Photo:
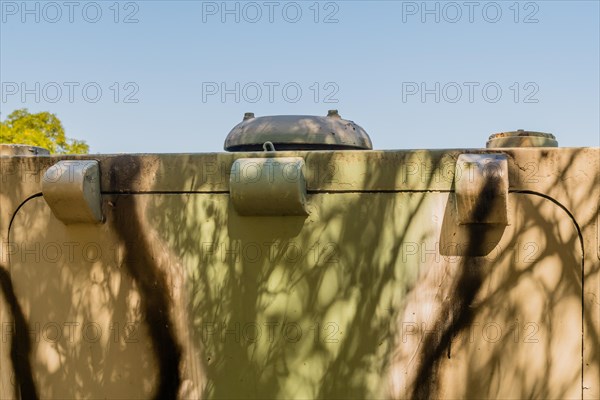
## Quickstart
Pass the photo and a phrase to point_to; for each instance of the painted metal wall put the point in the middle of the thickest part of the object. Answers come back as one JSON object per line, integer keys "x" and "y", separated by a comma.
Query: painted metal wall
{"x": 378, "y": 291}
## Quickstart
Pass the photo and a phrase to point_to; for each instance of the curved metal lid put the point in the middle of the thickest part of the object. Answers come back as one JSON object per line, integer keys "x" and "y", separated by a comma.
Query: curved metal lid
{"x": 522, "y": 138}
{"x": 297, "y": 132}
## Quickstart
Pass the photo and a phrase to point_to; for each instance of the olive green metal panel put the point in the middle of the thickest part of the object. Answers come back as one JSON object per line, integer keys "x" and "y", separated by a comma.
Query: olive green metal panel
{"x": 82, "y": 308}
{"x": 179, "y": 269}
{"x": 297, "y": 307}
{"x": 7, "y": 375}
{"x": 546, "y": 170}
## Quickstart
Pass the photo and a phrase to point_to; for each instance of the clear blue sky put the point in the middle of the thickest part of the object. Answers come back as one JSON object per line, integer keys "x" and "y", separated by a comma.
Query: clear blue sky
{"x": 413, "y": 74}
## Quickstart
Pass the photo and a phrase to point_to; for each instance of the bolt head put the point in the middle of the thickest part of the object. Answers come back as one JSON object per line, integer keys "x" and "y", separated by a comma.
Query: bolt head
{"x": 333, "y": 114}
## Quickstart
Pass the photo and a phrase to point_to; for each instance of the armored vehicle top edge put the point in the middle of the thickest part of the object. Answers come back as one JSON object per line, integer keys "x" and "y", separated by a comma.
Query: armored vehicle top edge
{"x": 301, "y": 263}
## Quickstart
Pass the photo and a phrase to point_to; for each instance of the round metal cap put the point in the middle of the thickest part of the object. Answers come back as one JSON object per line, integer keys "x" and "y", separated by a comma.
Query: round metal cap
{"x": 22, "y": 150}
{"x": 297, "y": 132}
{"x": 522, "y": 138}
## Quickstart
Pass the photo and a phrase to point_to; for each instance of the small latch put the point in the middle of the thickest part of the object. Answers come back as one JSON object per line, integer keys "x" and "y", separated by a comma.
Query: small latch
{"x": 481, "y": 187}
{"x": 268, "y": 186}
{"x": 71, "y": 189}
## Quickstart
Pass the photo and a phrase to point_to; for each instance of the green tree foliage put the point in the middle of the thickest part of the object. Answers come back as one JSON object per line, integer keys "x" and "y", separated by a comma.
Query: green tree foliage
{"x": 42, "y": 129}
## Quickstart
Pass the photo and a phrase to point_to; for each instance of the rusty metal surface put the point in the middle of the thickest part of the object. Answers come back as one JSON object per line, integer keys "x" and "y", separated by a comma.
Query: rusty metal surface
{"x": 522, "y": 138}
